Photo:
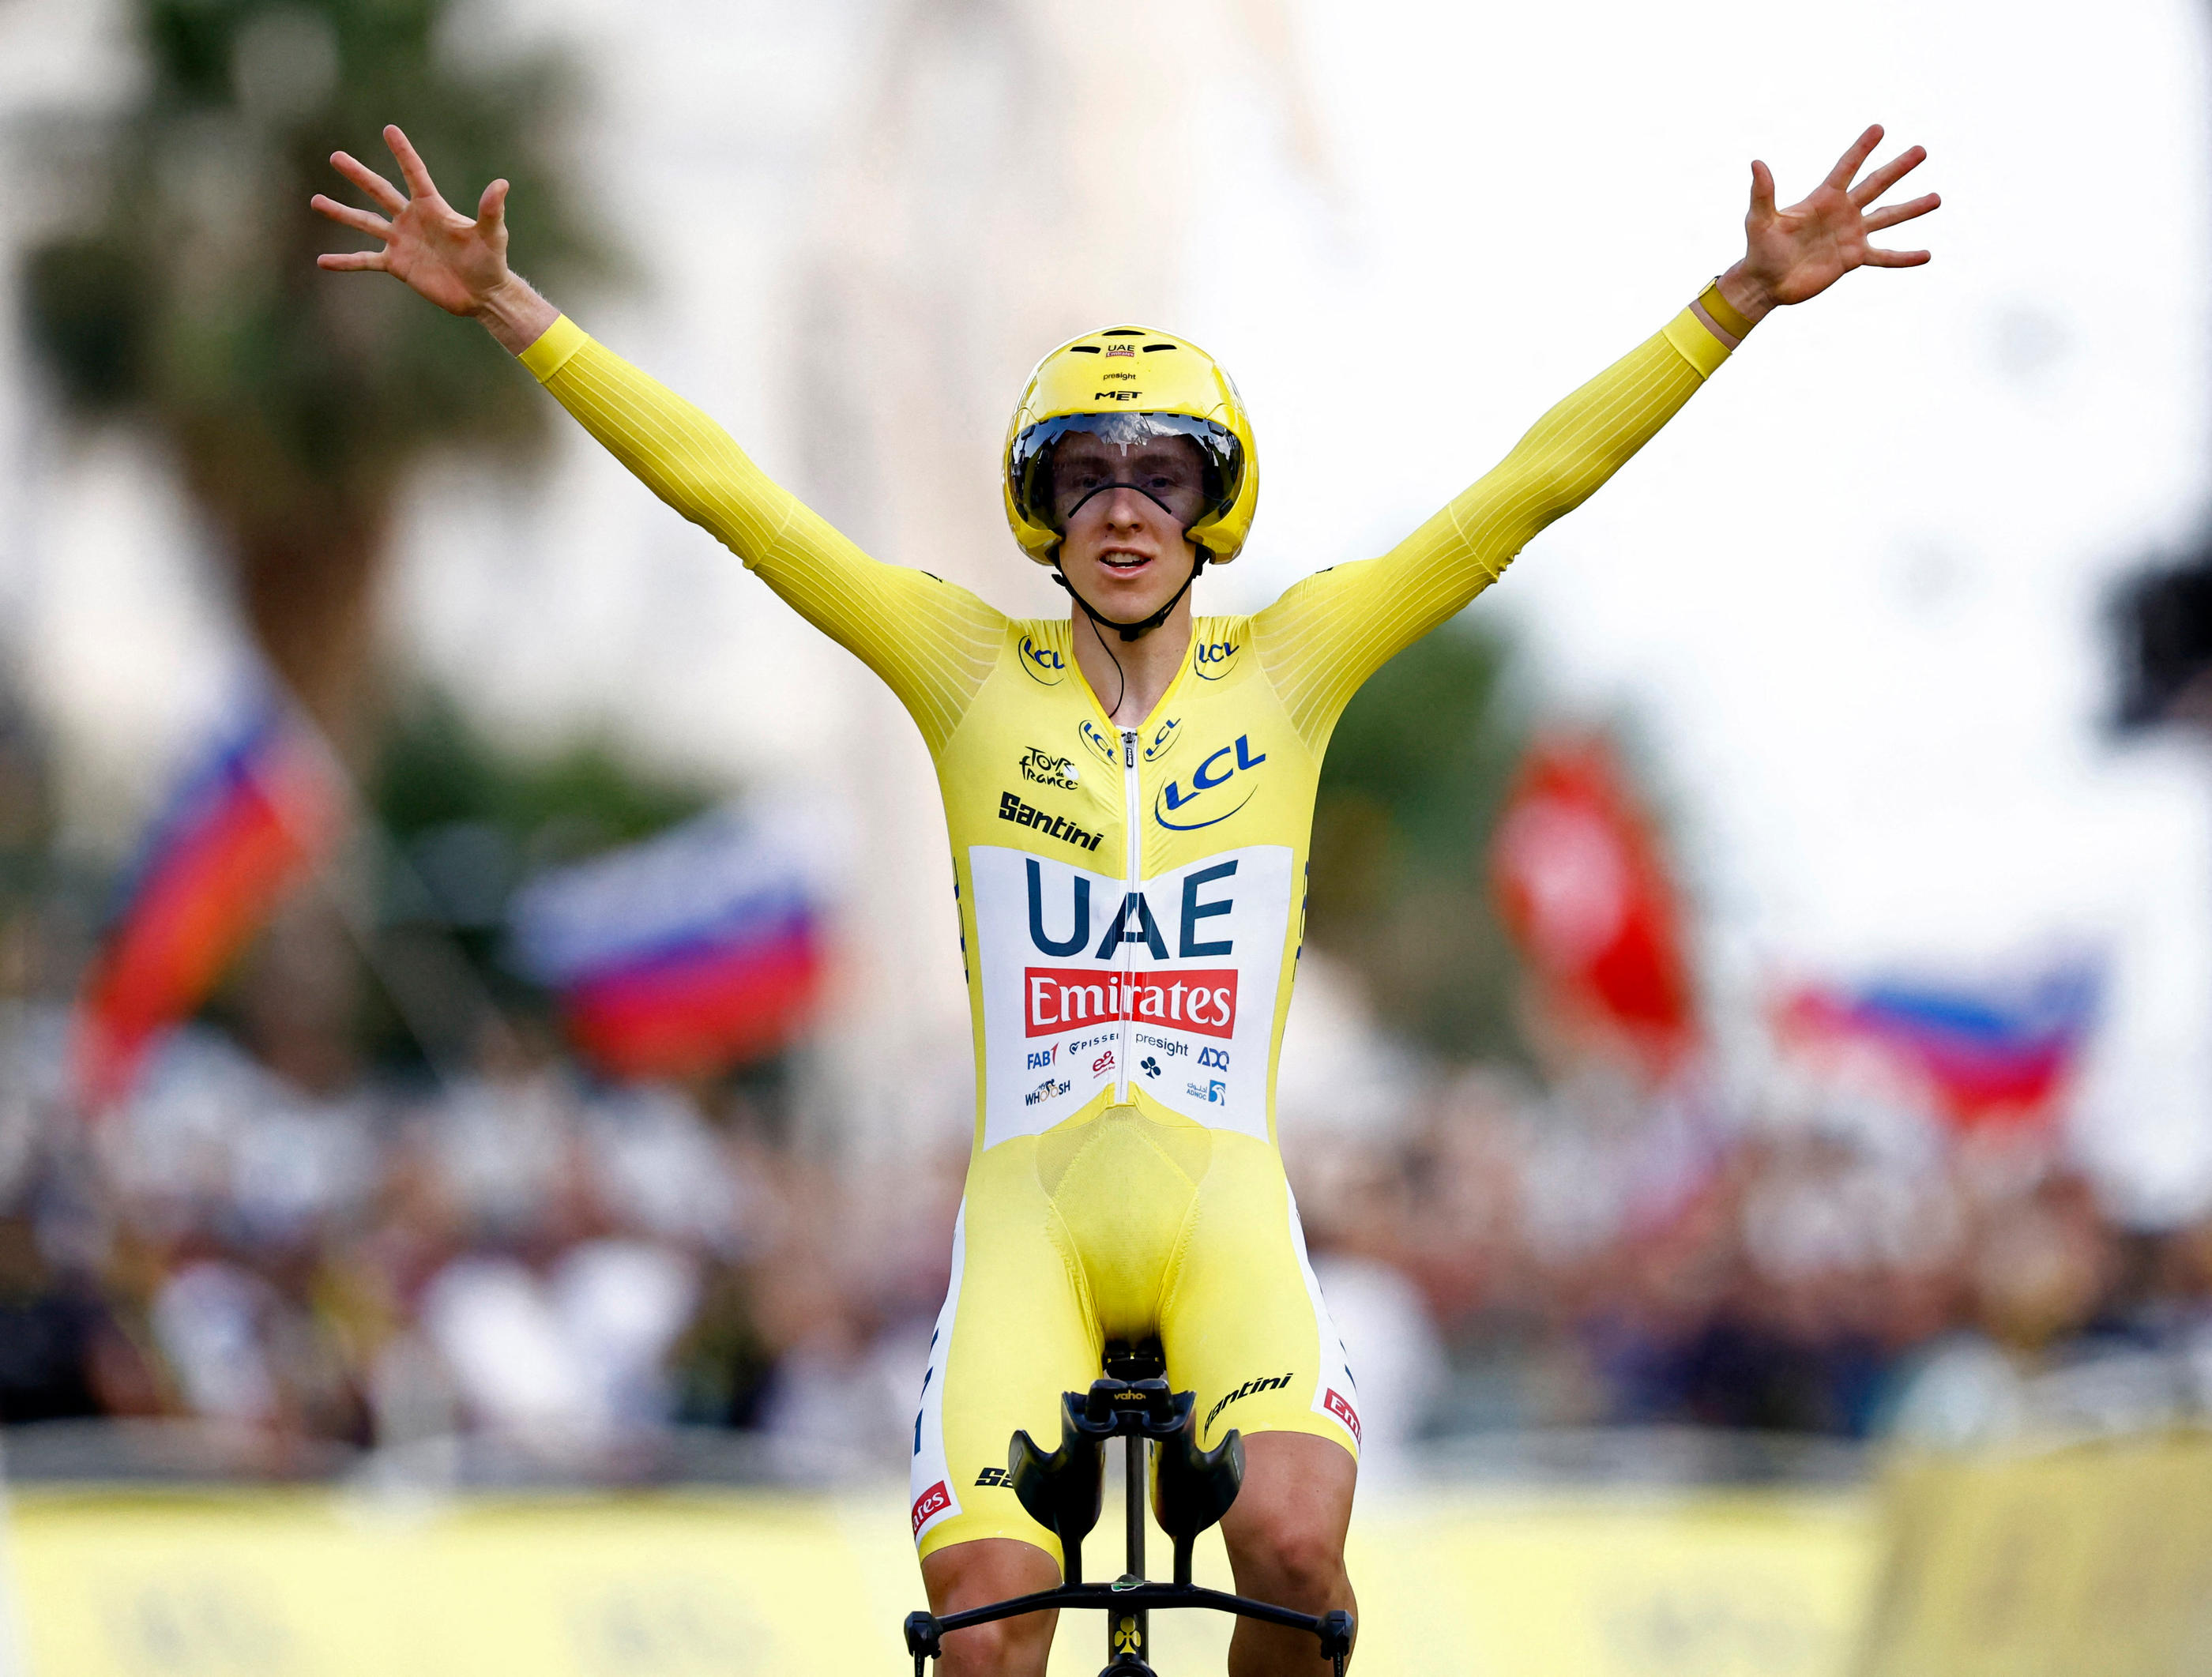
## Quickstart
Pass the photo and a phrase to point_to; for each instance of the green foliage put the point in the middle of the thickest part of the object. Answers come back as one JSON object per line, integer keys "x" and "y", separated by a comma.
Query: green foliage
{"x": 1410, "y": 792}
{"x": 469, "y": 820}
{"x": 192, "y": 296}
{"x": 439, "y": 775}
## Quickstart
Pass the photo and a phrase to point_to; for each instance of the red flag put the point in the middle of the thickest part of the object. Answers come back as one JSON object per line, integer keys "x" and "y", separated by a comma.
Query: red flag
{"x": 1580, "y": 884}
{"x": 236, "y": 837}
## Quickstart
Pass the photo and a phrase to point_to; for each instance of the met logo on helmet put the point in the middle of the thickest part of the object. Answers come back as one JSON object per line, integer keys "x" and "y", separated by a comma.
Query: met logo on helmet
{"x": 1041, "y": 664}
{"x": 1216, "y": 771}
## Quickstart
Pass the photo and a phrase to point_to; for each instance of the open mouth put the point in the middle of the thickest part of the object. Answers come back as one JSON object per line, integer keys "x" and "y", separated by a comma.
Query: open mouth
{"x": 1115, "y": 561}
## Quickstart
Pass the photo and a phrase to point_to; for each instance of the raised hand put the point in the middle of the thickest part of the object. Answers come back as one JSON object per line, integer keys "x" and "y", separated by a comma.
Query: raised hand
{"x": 458, "y": 262}
{"x": 1792, "y": 254}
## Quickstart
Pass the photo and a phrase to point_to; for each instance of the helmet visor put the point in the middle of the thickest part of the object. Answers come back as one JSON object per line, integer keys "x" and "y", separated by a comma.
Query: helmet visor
{"x": 1191, "y": 467}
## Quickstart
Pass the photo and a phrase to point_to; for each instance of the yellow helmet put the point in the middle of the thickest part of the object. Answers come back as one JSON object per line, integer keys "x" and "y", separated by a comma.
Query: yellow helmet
{"x": 1127, "y": 383}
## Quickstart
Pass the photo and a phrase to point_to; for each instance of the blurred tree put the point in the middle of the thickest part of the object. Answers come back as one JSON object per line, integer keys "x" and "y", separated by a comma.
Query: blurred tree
{"x": 469, "y": 819}
{"x": 1411, "y": 789}
{"x": 292, "y": 400}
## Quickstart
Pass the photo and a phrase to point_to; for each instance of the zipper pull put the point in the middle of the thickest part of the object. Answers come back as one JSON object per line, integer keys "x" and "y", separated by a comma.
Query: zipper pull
{"x": 1129, "y": 748}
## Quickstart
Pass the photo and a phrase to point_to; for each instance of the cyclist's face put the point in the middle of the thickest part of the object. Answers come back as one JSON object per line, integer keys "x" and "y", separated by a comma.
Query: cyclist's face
{"x": 1122, "y": 513}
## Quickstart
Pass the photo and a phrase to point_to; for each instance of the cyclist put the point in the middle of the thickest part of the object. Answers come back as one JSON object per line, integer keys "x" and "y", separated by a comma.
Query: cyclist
{"x": 1129, "y": 793}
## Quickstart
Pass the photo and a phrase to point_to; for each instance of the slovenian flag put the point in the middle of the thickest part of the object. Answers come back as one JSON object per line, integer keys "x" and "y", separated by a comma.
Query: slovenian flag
{"x": 695, "y": 950}
{"x": 256, "y": 816}
{"x": 1989, "y": 1056}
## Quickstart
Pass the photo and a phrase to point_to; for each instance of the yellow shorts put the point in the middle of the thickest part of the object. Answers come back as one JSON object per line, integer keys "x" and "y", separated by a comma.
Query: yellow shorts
{"x": 1120, "y": 1225}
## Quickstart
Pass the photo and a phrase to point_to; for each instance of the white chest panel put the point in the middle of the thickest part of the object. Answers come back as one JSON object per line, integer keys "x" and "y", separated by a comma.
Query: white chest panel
{"x": 1178, "y": 979}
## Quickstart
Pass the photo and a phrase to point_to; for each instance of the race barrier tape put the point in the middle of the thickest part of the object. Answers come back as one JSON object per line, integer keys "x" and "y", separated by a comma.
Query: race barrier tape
{"x": 2094, "y": 1559}
{"x": 265, "y": 1583}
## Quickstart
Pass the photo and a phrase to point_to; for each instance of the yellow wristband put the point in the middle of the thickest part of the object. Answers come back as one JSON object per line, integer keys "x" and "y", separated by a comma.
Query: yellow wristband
{"x": 1725, "y": 314}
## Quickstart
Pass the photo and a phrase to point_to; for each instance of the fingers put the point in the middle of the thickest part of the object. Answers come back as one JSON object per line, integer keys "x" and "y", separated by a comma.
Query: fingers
{"x": 1890, "y": 214}
{"x": 491, "y": 208}
{"x": 1876, "y": 259}
{"x": 359, "y": 220}
{"x": 369, "y": 181}
{"x": 1762, "y": 189}
{"x": 350, "y": 261}
{"x": 1850, "y": 163}
{"x": 412, "y": 166}
{"x": 1888, "y": 175}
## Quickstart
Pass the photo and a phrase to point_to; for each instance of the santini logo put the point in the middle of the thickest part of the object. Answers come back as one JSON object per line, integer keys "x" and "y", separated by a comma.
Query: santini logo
{"x": 1011, "y": 808}
{"x": 1263, "y": 1384}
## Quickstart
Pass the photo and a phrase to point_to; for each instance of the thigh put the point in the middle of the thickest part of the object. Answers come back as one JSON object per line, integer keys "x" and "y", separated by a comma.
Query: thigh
{"x": 1245, "y": 1326}
{"x": 1015, "y": 1333}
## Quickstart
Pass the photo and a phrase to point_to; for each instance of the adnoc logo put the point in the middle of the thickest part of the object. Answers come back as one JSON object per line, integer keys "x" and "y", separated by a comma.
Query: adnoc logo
{"x": 1163, "y": 738}
{"x": 1213, "y": 660}
{"x": 1040, "y": 663}
{"x": 1216, "y": 772}
{"x": 1101, "y": 746}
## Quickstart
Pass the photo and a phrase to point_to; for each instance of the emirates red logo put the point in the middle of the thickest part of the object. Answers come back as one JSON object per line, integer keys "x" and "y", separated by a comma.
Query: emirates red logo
{"x": 1337, "y": 1405}
{"x": 937, "y": 1499}
{"x": 1057, "y": 998}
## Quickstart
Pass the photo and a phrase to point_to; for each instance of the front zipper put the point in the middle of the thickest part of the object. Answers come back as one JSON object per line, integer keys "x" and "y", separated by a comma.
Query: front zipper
{"x": 1132, "y": 847}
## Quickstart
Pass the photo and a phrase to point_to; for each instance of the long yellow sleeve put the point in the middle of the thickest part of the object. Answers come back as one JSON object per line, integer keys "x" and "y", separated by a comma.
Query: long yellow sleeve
{"x": 934, "y": 644}
{"x": 1329, "y": 633}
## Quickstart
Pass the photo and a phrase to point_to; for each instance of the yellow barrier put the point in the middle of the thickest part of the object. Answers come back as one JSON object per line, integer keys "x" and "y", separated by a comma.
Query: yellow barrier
{"x": 2095, "y": 1561}
{"x": 312, "y": 1584}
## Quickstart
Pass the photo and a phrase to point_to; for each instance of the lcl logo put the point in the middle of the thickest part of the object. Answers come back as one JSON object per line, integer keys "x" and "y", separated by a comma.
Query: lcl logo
{"x": 1042, "y": 664}
{"x": 1215, "y": 772}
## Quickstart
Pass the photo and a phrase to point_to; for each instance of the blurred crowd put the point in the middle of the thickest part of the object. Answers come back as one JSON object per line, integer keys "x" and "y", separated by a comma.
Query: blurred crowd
{"x": 561, "y": 1276}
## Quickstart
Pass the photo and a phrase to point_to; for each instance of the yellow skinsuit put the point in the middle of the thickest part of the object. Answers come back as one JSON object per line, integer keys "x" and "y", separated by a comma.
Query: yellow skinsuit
{"x": 1132, "y": 904}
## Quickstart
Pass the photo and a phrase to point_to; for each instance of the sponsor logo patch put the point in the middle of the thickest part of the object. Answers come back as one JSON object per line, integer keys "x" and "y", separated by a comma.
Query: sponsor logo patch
{"x": 993, "y": 1476}
{"x": 1213, "y": 660}
{"x": 1164, "y": 739}
{"x": 1040, "y": 663}
{"x": 1042, "y": 766}
{"x": 1057, "y": 998}
{"x": 1050, "y": 1090}
{"x": 1182, "y": 811}
{"x": 932, "y": 1502}
{"x": 1339, "y": 1405}
{"x": 1264, "y": 1384}
{"x": 1012, "y": 807}
{"x": 1213, "y": 1091}
{"x": 1098, "y": 743}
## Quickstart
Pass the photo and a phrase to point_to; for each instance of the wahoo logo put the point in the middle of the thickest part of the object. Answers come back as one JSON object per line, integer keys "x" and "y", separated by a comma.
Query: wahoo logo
{"x": 1213, "y": 660}
{"x": 1217, "y": 771}
{"x": 1163, "y": 738}
{"x": 1040, "y": 663}
{"x": 1057, "y": 998}
{"x": 1339, "y": 1405}
{"x": 1263, "y": 1384}
{"x": 929, "y": 1505}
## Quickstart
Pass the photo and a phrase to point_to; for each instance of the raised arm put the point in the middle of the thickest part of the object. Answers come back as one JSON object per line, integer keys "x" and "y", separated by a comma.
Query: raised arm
{"x": 1329, "y": 633}
{"x": 932, "y": 642}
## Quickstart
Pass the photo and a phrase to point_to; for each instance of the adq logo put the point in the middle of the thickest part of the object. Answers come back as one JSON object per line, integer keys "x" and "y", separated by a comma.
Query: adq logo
{"x": 1215, "y": 772}
{"x": 1041, "y": 663}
